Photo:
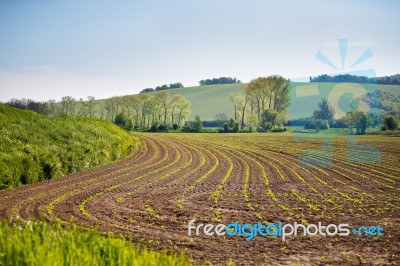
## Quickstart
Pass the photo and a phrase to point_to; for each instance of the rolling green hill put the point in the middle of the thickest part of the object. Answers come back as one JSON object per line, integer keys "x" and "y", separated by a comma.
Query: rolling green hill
{"x": 35, "y": 147}
{"x": 207, "y": 101}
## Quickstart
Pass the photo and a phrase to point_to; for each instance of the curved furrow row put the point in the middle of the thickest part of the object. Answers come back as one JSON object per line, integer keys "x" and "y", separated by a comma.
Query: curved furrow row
{"x": 56, "y": 193}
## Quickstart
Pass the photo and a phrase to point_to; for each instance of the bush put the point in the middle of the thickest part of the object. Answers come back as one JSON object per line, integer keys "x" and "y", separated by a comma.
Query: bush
{"x": 317, "y": 124}
{"x": 193, "y": 127}
{"x": 162, "y": 127}
{"x": 226, "y": 127}
{"x": 232, "y": 126}
{"x": 390, "y": 122}
{"x": 175, "y": 126}
{"x": 278, "y": 129}
{"x": 123, "y": 121}
{"x": 235, "y": 128}
{"x": 153, "y": 128}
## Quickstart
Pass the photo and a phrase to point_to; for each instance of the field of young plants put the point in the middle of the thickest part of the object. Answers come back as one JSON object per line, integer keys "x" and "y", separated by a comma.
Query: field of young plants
{"x": 223, "y": 178}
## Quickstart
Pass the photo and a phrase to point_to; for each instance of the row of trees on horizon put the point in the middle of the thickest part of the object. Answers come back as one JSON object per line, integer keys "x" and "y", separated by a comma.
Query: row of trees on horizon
{"x": 141, "y": 110}
{"x": 387, "y": 80}
{"x": 261, "y": 106}
{"x": 204, "y": 82}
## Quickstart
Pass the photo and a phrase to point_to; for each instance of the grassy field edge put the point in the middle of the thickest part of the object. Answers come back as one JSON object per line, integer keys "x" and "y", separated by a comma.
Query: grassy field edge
{"x": 35, "y": 148}
{"x": 39, "y": 243}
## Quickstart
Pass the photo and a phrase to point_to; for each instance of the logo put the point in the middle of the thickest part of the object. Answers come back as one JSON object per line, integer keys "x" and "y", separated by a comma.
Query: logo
{"x": 249, "y": 231}
{"x": 350, "y": 101}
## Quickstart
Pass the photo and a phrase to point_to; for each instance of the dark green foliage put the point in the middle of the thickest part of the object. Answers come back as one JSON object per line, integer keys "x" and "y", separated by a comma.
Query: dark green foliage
{"x": 269, "y": 119}
{"x": 175, "y": 126}
{"x": 29, "y": 104}
{"x": 226, "y": 127}
{"x": 390, "y": 122}
{"x": 232, "y": 127}
{"x": 195, "y": 126}
{"x": 123, "y": 121}
{"x": 146, "y": 90}
{"x": 235, "y": 128}
{"x": 388, "y": 80}
{"x": 158, "y": 128}
{"x": 164, "y": 87}
{"x": 162, "y": 127}
{"x": 356, "y": 119}
{"x": 323, "y": 117}
{"x": 34, "y": 147}
{"x": 153, "y": 128}
{"x": 325, "y": 111}
{"x": 222, "y": 80}
{"x": 170, "y": 86}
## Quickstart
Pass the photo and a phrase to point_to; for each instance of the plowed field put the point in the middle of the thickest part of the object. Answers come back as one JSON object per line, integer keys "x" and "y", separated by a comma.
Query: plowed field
{"x": 223, "y": 178}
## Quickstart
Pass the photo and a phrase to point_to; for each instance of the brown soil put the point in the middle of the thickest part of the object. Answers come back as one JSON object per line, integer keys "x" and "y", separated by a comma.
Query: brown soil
{"x": 151, "y": 196}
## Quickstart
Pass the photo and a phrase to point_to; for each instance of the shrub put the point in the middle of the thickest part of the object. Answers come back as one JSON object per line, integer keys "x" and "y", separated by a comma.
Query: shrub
{"x": 226, "y": 127}
{"x": 162, "y": 127}
{"x": 390, "y": 122}
{"x": 153, "y": 128}
{"x": 235, "y": 128}
{"x": 123, "y": 121}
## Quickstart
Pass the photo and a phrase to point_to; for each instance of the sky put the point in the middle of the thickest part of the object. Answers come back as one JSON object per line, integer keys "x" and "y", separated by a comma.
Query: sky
{"x": 49, "y": 49}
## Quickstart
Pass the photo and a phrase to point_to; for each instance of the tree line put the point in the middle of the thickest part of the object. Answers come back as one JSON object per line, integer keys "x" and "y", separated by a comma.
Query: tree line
{"x": 221, "y": 80}
{"x": 387, "y": 80}
{"x": 323, "y": 118}
{"x": 140, "y": 111}
{"x": 164, "y": 87}
{"x": 262, "y": 104}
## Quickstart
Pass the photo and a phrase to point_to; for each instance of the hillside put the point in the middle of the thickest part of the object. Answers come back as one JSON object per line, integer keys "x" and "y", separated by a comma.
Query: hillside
{"x": 207, "y": 101}
{"x": 34, "y": 147}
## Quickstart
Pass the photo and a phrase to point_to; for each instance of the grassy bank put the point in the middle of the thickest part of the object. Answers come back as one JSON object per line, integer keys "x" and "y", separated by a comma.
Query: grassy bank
{"x": 37, "y": 243}
{"x": 34, "y": 147}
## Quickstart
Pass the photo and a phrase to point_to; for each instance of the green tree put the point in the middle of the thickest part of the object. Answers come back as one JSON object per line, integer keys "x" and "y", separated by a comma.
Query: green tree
{"x": 164, "y": 98}
{"x": 197, "y": 125}
{"x": 268, "y": 93}
{"x": 390, "y": 122}
{"x": 269, "y": 119}
{"x": 238, "y": 101}
{"x": 356, "y": 119}
{"x": 325, "y": 111}
{"x": 91, "y": 105}
{"x": 123, "y": 121}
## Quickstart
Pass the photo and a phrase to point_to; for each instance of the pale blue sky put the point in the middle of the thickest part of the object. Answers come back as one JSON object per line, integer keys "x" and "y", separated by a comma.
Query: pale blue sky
{"x": 104, "y": 48}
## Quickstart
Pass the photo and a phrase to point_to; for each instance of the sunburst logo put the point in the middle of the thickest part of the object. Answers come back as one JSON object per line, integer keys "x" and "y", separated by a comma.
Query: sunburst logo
{"x": 343, "y": 44}
{"x": 345, "y": 98}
